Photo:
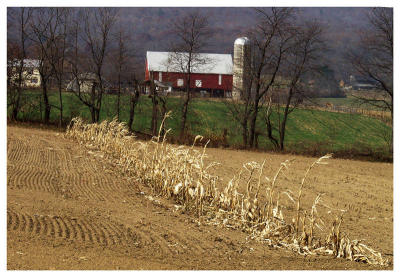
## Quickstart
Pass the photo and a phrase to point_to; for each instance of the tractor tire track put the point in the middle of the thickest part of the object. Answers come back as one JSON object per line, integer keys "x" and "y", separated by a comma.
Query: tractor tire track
{"x": 72, "y": 229}
{"x": 46, "y": 167}
{"x": 43, "y": 166}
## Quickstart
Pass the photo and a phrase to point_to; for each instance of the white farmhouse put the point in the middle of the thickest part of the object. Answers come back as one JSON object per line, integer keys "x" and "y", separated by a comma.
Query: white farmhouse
{"x": 30, "y": 73}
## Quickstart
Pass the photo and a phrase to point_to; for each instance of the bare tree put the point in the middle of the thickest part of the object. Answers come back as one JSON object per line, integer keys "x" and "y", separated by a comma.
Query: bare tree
{"x": 97, "y": 24}
{"x": 23, "y": 16}
{"x": 50, "y": 27}
{"x": 163, "y": 99}
{"x": 120, "y": 60}
{"x": 154, "y": 113}
{"x": 13, "y": 54}
{"x": 301, "y": 59}
{"x": 373, "y": 58}
{"x": 281, "y": 54}
{"x": 58, "y": 37}
{"x": 134, "y": 99}
{"x": 125, "y": 65}
{"x": 240, "y": 109}
{"x": 77, "y": 60}
{"x": 159, "y": 96}
{"x": 74, "y": 59}
{"x": 193, "y": 32}
{"x": 44, "y": 25}
{"x": 270, "y": 39}
{"x": 159, "y": 99}
{"x": 12, "y": 57}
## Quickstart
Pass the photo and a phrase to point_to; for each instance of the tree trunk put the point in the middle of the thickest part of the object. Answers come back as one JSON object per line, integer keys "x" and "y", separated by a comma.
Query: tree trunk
{"x": 99, "y": 97}
{"x": 96, "y": 115}
{"x": 186, "y": 101}
{"x": 131, "y": 114}
{"x": 269, "y": 132}
{"x": 46, "y": 104}
{"x": 15, "y": 109}
{"x": 92, "y": 103}
{"x": 154, "y": 115}
{"x": 133, "y": 102}
{"x": 61, "y": 103}
{"x": 282, "y": 127}
{"x": 163, "y": 113}
{"x": 244, "y": 133}
{"x": 21, "y": 68}
{"x": 19, "y": 91}
{"x": 119, "y": 96}
{"x": 93, "y": 115}
{"x": 282, "y": 133}
{"x": 184, "y": 116}
{"x": 253, "y": 121}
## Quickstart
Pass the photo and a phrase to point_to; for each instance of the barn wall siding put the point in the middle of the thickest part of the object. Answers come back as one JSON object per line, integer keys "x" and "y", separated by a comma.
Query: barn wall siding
{"x": 147, "y": 74}
{"x": 208, "y": 81}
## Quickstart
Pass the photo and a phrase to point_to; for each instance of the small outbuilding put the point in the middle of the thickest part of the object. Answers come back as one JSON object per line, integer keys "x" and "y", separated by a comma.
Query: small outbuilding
{"x": 86, "y": 82}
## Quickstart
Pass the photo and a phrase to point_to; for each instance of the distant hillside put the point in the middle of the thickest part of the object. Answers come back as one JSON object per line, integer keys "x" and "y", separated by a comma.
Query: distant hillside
{"x": 150, "y": 25}
{"x": 149, "y": 28}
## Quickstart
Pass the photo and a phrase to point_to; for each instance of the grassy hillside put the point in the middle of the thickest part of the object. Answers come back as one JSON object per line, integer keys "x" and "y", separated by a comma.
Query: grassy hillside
{"x": 347, "y": 102}
{"x": 308, "y": 131}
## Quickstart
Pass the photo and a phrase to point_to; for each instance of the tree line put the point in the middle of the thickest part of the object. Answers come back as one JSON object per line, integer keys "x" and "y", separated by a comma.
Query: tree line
{"x": 68, "y": 44}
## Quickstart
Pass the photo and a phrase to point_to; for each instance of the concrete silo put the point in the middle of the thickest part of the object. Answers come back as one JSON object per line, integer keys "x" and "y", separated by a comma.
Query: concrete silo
{"x": 241, "y": 66}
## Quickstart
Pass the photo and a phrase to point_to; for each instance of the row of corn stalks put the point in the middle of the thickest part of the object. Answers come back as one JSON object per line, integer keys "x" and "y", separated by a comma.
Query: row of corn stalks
{"x": 250, "y": 201}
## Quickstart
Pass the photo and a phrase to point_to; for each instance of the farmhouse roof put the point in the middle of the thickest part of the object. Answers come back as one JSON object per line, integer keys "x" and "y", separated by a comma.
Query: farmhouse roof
{"x": 28, "y": 63}
{"x": 214, "y": 63}
{"x": 90, "y": 76}
{"x": 362, "y": 80}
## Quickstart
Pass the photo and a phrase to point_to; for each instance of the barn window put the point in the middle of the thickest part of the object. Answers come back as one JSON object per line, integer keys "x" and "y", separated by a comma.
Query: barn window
{"x": 179, "y": 82}
{"x": 198, "y": 83}
{"x": 160, "y": 76}
{"x": 34, "y": 80}
{"x": 219, "y": 79}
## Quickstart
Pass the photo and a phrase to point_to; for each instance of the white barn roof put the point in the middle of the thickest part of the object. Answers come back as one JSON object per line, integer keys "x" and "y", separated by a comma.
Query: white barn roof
{"x": 215, "y": 63}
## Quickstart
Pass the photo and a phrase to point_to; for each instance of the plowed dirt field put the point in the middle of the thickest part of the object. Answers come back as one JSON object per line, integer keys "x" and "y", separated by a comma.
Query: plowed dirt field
{"x": 69, "y": 209}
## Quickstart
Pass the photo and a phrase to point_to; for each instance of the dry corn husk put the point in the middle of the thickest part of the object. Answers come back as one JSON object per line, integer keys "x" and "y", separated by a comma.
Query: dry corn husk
{"x": 181, "y": 173}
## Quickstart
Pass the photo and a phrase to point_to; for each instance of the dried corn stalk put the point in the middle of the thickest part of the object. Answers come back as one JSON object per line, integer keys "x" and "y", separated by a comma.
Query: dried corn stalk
{"x": 180, "y": 173}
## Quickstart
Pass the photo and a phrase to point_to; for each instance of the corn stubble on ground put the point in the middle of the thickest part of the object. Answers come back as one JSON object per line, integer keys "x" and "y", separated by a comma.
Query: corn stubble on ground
{"x": 181, "y": 173}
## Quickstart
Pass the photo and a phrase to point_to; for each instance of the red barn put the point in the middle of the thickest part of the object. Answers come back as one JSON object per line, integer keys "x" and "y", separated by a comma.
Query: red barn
{"x": 210, "y": 72}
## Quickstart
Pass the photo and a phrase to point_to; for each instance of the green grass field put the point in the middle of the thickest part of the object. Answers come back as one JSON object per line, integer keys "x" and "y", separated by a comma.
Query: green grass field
{"x": 308, "y": 131}
{"x": 346, "y": 102}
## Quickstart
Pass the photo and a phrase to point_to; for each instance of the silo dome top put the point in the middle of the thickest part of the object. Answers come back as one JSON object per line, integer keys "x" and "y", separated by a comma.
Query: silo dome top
{"x": 242, "y": 41}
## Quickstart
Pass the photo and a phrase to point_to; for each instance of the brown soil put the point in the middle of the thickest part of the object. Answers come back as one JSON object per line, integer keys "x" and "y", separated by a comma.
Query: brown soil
{"x": 68, "y": 209}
